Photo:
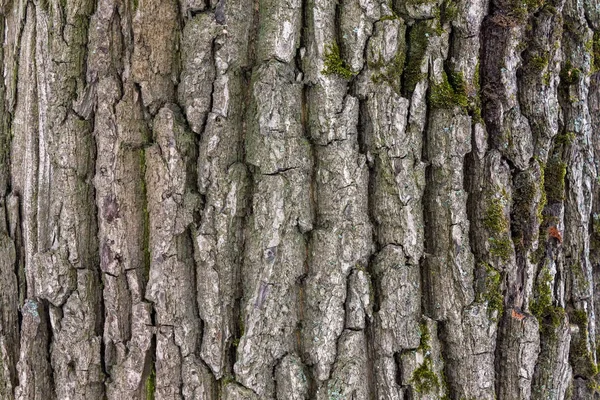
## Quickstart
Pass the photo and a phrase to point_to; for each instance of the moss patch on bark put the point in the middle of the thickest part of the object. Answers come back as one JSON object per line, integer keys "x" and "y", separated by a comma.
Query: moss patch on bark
{"x": 580, "y": 356}
{"x": 451, "y": 92}
{"x": 334, "y": 64}
{"x": 151, "y": 384}
{"x": 418, "y": 40}
{"x": 554, "y": 180}
{"x": 549, "y": 316}
{"x": 497, "y": 224}
{"x": 424, "y": 379}
{"x": 493, "y": 291}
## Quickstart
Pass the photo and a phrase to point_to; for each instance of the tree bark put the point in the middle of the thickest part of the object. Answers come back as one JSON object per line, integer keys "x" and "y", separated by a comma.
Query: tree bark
{"x": 299, "y": 199}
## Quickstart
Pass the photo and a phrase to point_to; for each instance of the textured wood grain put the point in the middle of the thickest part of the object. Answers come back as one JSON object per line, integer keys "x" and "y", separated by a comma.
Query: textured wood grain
{"x": 299, "y": 199}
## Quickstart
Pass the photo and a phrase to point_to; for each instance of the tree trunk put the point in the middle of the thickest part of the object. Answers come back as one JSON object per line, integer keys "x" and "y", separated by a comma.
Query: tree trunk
{"x": 299, "y": 199}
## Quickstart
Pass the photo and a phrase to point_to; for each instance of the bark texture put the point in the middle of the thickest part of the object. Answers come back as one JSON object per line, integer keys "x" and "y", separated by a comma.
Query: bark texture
{"x": 299, "y": 199}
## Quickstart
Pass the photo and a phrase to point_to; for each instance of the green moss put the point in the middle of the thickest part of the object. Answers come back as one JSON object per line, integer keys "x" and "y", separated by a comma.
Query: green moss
{"x": 554, "y": 182}
{"x": 240, "y": 332}
{"x": 500, "y": 247}
{"x": 550, "y": 9}
{"x": 151, "y": 384}
{"x": 459, "y": 84}
{"x": 451, "y": 92}
{"x": 593, "y": 386}
{"x": 579, "y": 318}
{"x": 226, "y": 380}
{"x": 393, "y": 16}
{"x": 539, "y": 63}
{"x": 578, "y": 276}
{"x": 526, "y": 212}
{"x": 593, "y": 49}
{"x": 542, "y": 294}
{"x": 418, "y": 40}
{"x": 565, "y": 138}
{"x": 549, "y": 316}
{"x": 476, "y": 113}
{"x": 581, "y": 358}
{"x": 533, "y": 5}
{"x": 449, "y": 11}
{"x": 494, "y": 219}
{"x": 538, "y": 255}
{"x": 596, "y": 224}
{"x": 497, "y": 223}
{"x": 392, "y": 72}
{"x": 493, "y": 291}
{"x": 334, "y": 64}
{"x": 425, "y": 338}
{"x": 544, "y": 197}
{"x": 569, "y": 75}
{"x": 424, "y": 380}
{"x": 569, "y": 391}
{"x": 546, "y": 78}
{"x": 595, "y": 53}
{"x": 520, "y": 9}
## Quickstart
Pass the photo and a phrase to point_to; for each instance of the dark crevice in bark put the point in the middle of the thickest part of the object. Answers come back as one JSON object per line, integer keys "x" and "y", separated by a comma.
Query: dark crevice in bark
{"x": 405, "y": 76}
{"x": 427, "y": 249}
{"x": 150, "y": 362}
{"x": 398, "y": 362}
{"x": 363, "y": 124}
{"x": 252, "y": 39}
{"x": 371, "y": 355}
{"x": 308, "y": 236}
{"x": 100, "y": 319}
{"x": 17, "y": 237}
{"x": 275, "y": 365}
{"x": 441, "y": 334}
{"x": 498, "y": 360}
{"x": 245, "y": 72}
{"x": 304, "y": 118}
{"x": 280, "y": 171}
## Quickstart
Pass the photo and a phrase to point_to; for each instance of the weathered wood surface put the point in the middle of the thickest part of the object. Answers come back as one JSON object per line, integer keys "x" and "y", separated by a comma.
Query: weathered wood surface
{"x": 299, "y": 199}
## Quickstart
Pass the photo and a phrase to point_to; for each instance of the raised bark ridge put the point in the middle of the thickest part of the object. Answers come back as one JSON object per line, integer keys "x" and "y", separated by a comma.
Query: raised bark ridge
{"x": 299, "y": 199}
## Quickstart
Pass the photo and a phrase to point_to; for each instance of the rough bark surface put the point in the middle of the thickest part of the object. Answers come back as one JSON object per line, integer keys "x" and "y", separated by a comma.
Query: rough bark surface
{"x": 299, "y": 199}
